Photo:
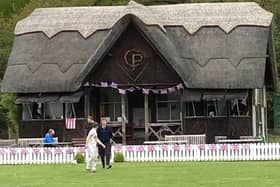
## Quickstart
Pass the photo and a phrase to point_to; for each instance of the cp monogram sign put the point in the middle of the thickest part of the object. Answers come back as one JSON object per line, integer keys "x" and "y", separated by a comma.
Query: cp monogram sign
{"x": 133, "y": 58}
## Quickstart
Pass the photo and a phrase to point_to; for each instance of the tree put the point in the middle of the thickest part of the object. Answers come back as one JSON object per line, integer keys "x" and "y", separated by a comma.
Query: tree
{"x": 7, "y": 104}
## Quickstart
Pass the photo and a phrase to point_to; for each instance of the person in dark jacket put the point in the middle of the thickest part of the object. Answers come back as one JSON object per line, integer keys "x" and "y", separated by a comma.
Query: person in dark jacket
{"x": 104, "y": 134}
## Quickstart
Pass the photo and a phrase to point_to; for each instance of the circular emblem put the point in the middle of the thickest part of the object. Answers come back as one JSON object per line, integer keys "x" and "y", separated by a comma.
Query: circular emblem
{"x": 133, "y": 58}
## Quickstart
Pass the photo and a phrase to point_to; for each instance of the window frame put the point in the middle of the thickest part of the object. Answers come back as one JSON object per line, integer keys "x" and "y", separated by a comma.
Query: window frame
{"x": 102, "y": 104}
{"x": 194, "y": 109}
{"x": 238, "y": 108}
{"x": 47, "y": 104}
{"x": 169, "y": 102}
{"x": 206, "y": 111}
{"x": 30, "y": 110}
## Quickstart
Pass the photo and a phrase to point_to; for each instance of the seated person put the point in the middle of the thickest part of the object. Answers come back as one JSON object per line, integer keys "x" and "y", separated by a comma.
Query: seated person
{"x": 49, "y": 141}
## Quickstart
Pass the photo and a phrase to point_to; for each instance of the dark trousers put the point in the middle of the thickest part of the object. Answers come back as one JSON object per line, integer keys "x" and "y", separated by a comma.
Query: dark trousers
{"x": 105, "y": 154}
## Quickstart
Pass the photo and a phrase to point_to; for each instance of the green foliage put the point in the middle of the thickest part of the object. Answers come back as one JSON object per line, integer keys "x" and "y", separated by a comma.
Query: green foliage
{"x": 118, "y": 157}
{"x": 9, "y": 7}
{"x": 79, "y": 157}
{"x": 274, "y": 138}
{"x": 3, "y": 124}
{"x": 6, "y": 39}
{"x": 7, "y": 104}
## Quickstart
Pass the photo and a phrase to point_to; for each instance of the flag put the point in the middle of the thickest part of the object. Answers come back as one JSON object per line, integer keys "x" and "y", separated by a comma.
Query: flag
{"x": 86, "y": 84}
{"x": 171, "y": 89}
{"x": 145, "y": 91}
{"x": 180, "y": 86}
{"x": 104, "y": 84}
{"x": 70, "y": 123}
{"x": 122, "y": 91}
{"x": 114, "y": 85}
{"x": 163, "y": 91}
{"x": 131, "y": 89}
{"x": 155, "y": 91}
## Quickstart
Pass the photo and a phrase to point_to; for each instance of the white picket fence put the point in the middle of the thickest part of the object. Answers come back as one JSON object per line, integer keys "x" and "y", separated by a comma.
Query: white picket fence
{"x": 199, "y": 152}
{"x": 41, "y": 155}
{"x": 148, "y": 153}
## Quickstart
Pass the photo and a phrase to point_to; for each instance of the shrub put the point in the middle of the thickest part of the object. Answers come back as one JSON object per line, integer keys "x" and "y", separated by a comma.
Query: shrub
{"x": 80, "y": 158}
{"x": 118, "y": 157}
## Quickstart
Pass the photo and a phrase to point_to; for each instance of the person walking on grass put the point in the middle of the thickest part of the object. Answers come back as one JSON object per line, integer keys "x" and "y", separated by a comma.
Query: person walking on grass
{"x": 91, "y": 149}
{"x": 105, "y": 135}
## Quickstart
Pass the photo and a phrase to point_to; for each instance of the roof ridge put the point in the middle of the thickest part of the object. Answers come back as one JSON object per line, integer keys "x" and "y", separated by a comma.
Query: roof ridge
{"x": 192, "y": 17}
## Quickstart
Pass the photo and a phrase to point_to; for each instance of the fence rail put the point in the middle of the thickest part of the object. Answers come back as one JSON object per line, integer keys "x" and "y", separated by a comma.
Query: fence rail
{"x": 189, "y": 139}
{"x": 148, "y": 153}
{"x": 200, "y": 152}
{"x": 39, "y": 155}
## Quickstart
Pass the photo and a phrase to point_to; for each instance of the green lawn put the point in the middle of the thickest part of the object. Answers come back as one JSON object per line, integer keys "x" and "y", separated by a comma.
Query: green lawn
{"x": 145, "y": 174}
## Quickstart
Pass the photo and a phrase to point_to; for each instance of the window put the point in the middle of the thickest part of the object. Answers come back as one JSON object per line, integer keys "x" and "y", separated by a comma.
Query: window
{"x": 42, "y": 111}
{"x": 168, "y": 107}
{"x": 217, "y": 108}
{"x": 217, "y": 104}
{"x": 163, "y": 111}
{"x": 70, "y": 111}
{"x": 26, "y": 112}
{"x": 110, "y": 105}
{"x": 53, "y": 110}
{"x": 238, "y": 107}
{"x": 195, "y": 108}
{"x": 80, "y": 108}
{"x": 32, "y": 111}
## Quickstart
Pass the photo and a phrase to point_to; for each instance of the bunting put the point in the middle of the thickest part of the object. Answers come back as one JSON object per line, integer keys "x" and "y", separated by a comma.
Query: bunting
{"x": 146, "y": 91}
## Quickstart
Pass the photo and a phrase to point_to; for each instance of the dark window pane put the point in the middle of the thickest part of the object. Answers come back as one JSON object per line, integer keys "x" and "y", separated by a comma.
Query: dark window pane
{"x": 194, "y": 109}
{"x": 53, "y": 110}
{"x": 27, "y": 111}
{"x": 175, "y": 111}
{"x": 211, "y": 108}
{"x": 163, "y": 111}
{"x": 238, "y": 107}
{"x": 221, "y": 108}
{"x": 109, "y": 95}
{"x": 169, "y": 97}
{"x": 37, "y": 111}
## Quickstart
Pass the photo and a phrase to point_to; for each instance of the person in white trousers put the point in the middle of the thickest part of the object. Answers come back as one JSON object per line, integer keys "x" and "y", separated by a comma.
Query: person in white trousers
{"x": 91, "y": 149}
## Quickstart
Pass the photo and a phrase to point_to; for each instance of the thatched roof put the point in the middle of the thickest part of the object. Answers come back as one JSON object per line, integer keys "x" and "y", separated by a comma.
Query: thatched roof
{"x": 212, "y": 45}
{"x": 87, "y": 20}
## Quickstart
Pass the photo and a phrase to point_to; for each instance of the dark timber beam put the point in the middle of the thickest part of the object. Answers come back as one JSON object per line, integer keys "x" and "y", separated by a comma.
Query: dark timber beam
{"x": 146, "y": 116}
{"x": 123, "y": 119}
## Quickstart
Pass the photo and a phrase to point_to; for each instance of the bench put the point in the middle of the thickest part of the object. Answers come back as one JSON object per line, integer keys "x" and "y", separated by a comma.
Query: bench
{"x": 181, "y": 139}
{"x": 33, "y": 142}
{"x": 243, "y": 139}
{"x": 250, "y": 140}
{"x": 187, "y": 138}
{"x": 164, "y": 142}
{"x": 7, "y": 142}
{"x": 78, "y": 142}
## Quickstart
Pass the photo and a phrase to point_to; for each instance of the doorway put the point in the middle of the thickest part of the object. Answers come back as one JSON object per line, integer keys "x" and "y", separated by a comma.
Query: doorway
{"x": 136, "y": 117}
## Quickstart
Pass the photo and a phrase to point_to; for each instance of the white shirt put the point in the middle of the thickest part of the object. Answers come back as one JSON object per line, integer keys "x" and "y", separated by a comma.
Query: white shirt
{"x": 92, "y": 137}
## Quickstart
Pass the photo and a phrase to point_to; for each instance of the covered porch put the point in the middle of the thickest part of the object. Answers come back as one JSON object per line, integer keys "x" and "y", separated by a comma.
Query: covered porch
{"x": 136, "y": 116}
